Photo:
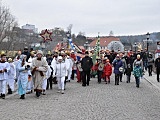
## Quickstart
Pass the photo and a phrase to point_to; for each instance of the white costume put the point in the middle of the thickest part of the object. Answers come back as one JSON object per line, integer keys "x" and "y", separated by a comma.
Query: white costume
{"x": 3, "y": 76}
{"x": 60, "y": 72}
{"x": 48, "y": 74}
{"x": 11, "y": 76}
{"x": 69, "y": 65}
{"x": 53, "y": 63}
{"x": 30, "y": 82}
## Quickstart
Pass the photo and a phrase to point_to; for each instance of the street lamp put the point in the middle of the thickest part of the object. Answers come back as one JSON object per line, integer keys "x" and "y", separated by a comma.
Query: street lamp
{"x": 135, "y": 46}
{"x": 68, "y": 36}
{"x": 147, "y": 40}
{"x": 86, "y": 45}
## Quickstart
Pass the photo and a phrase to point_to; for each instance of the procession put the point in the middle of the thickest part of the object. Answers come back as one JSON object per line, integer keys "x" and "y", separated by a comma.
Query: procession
{"x": 34, "y": 72}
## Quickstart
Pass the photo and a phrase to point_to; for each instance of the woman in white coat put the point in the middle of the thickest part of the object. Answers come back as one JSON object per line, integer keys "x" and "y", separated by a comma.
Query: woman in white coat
{"x": 60, "y": 73}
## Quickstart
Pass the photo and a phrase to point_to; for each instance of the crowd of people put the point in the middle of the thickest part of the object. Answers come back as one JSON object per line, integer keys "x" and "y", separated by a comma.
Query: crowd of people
{"x": 34, "y": 72}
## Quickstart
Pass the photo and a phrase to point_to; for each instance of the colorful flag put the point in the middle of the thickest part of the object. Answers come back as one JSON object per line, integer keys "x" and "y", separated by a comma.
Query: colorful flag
{"x": 71, "y": 44}
{"x": 96, "y": 50}
{"x": 97, "y": 46}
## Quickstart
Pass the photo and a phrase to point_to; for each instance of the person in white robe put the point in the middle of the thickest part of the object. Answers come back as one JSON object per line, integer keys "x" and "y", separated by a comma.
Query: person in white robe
{"x": 53, "y": 65}
{"x": 11, "y": 76}
{"x": 60, "y": 73}
{"x": 69, "y": 65}
{"x": 23, "y": 73}
{"x": 30, "y": 85}
{"x": 4, "y": 69}
{"x": 44, "y": 85}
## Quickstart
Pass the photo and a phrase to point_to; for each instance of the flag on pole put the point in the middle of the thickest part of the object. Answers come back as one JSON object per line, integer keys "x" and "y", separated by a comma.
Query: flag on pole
{"x": 97, "y": 46}
{"x": 96, "y": 50}
{"x": 71, "y": 44}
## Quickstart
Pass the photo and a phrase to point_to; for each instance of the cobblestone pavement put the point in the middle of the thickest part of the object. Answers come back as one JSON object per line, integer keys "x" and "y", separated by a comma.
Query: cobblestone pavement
{"x": 94, "y": 102}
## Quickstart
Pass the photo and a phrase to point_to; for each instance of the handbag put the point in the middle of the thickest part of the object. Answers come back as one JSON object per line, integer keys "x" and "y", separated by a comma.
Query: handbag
{"x": 121, "y": 69}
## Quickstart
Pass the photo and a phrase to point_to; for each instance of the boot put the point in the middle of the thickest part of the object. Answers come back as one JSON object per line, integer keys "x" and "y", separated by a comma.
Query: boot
{"x": 38, "y": 94}
{"x": 22, "y": 96}
{"x": 62, "y": 92}
{"x": 3, "y": 96}
{"x": 43, "y": 93}
{"x": 9, "y": 91}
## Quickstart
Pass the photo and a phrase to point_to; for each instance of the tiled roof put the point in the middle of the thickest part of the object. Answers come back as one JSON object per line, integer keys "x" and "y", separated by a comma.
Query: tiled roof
{"x": 104, "y": 41}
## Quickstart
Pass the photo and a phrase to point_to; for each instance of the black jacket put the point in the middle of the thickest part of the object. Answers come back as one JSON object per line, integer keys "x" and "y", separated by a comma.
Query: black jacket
{"x": 86, "y": 63}
{"x": 157, "y": 63}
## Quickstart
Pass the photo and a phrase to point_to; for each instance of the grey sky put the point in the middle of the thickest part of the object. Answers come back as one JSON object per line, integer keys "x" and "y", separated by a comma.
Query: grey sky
{"x": 123, "y": 17}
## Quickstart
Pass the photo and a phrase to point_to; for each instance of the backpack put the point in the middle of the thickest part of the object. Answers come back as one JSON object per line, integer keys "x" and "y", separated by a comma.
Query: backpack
{"x": 100, "y": 66}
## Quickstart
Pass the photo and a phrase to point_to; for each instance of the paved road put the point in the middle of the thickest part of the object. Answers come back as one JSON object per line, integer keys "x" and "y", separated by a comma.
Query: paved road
{"x": 94, "y": 102}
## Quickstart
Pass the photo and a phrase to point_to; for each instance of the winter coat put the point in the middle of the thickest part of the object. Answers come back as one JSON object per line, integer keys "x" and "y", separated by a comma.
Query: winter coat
{"x": 157, "y": 63}
{"x": 128, "y": 71}
{"x": 150, "y": 61}
{"x": 137, "y": 71}
{"x": 60, "y": 69}
{"x": 108, "y": 69}
{"x": 87, "y": 63}
{"x": 117, "y": 64}
{"x": 138, "y": 61}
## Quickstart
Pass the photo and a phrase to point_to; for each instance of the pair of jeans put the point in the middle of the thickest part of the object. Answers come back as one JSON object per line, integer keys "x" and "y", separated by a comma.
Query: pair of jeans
{"x": 137, "y": 80}
{"x": 145, "y": 64}
{"x": 128, "y": 78}
{"x": 117, "y": 76}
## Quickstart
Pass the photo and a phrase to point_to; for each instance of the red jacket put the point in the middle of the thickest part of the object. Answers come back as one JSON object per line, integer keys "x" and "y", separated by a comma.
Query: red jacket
{"x": 108, "y": 69}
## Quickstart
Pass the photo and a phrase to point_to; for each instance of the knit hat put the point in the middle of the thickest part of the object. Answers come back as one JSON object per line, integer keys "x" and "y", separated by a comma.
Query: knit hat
{"x": 60, "y": 58}
{"x": 40, "y": 52}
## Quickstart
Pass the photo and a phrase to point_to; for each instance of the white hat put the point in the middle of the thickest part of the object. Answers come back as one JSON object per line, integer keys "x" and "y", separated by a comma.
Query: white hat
{"x": 138, "y": 56}
{"x": 40, "y": 52}
{"x": 60, "y": 58}
{"x": 9, "y": 59}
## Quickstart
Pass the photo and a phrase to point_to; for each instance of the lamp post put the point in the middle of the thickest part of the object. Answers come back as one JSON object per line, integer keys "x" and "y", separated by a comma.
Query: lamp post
{"x": 68, "y": 36}
{"x": 135, "y": 47}
{"x": 147, "y": 40}
{"x": 86, "y": 45}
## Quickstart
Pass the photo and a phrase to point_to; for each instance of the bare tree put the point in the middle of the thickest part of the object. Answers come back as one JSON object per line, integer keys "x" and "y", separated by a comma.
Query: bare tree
{"x": 7, "y": 23}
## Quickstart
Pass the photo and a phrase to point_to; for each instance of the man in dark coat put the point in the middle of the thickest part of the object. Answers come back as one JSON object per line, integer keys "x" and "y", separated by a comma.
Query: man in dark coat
{"x": 26, "y": 52}
{"x": 87, "y": 64}
{"x": 157, "y": 65}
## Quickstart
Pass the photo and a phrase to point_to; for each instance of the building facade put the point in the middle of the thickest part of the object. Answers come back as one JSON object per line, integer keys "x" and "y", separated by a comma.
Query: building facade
{"x": 109, "y": 43}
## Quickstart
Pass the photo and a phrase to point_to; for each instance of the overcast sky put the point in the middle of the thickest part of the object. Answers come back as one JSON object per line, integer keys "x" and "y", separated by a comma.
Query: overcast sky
{"x": 123, "y": 17}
